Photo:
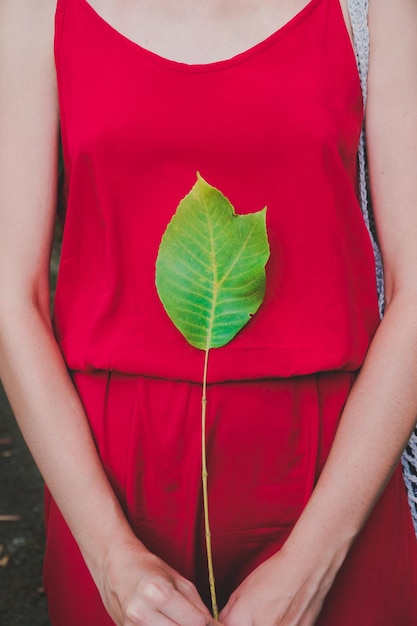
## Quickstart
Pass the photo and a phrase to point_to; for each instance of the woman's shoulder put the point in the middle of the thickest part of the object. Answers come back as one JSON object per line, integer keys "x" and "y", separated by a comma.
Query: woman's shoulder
{"x": 26, "y": 22}
{"x": 388, "y": 15}
{"x": 15, "y": 9}
{"x": 393, "y": 37}
{"x": 27, "y": 29}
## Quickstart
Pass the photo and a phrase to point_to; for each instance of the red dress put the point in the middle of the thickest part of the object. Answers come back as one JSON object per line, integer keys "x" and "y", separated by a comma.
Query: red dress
{"x": 277, "y": 125}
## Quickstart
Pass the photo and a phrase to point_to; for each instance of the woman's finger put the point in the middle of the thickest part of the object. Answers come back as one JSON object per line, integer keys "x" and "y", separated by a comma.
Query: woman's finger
{"x": 190, "y": 592}
{"x": 154, "y": 619}
{"x": 184, "y": 612}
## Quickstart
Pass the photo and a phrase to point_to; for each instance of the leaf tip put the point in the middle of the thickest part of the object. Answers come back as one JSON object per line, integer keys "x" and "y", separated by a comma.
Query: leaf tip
{"x": 201, "y": 180}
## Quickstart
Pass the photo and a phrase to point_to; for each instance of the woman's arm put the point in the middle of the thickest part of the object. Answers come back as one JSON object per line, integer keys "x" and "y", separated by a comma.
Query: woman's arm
{"x": 381, "y": 410}
{"x": 134, "y": 584}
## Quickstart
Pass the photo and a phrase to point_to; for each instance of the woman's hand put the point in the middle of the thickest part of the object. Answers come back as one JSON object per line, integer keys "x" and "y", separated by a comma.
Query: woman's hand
{"x": 139, "y": 588}
{"x": 285, "y": 590}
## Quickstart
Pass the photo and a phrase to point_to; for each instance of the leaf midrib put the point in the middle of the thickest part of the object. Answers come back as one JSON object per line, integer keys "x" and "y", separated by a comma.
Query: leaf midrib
{"x": 216, "y": 283}
{"x": 214, "y": 268}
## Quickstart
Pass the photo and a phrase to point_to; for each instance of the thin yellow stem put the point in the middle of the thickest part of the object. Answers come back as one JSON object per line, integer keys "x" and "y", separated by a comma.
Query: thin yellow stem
{"x": 215, "y": 610}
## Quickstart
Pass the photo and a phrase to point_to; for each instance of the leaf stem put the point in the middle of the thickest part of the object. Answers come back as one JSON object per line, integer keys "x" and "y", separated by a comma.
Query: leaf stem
{"x": 215, "y": 610}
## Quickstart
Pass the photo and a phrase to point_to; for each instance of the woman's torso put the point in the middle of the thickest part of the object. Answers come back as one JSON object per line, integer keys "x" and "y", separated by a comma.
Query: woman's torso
{"x": 276, "y": 125}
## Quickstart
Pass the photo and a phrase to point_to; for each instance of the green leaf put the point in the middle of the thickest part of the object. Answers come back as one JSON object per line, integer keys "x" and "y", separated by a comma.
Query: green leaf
{"x": 210, "y": 271}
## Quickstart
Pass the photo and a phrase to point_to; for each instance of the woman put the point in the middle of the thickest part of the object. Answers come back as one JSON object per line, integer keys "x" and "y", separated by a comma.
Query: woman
{"x": 145, "y": 100}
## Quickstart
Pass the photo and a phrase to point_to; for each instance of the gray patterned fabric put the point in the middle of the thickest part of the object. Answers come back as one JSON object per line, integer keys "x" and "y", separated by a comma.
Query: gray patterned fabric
{"x": 358, "y": 11}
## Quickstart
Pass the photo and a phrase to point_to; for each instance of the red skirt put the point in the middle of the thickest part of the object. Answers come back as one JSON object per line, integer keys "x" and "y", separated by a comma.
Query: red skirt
{"x": 267, "y": 442}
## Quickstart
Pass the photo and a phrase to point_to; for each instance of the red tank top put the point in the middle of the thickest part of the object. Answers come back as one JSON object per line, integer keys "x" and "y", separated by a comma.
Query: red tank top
{"x": 277, "y": 125}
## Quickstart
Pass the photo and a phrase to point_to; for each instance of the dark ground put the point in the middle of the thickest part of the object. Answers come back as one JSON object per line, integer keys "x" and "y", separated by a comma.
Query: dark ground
{"x": 22, "y": 602}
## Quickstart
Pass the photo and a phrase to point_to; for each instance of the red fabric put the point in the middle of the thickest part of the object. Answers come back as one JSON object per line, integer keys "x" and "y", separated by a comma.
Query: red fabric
{"x": 277, "y": 125}
{"x": 267, "y": 441}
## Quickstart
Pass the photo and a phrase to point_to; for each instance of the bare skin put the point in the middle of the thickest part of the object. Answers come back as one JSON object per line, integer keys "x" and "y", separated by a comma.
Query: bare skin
{"x": 185, "y": 31}
{"x": 137, "y": 587}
